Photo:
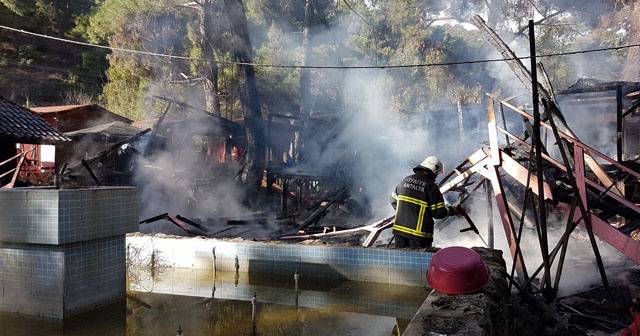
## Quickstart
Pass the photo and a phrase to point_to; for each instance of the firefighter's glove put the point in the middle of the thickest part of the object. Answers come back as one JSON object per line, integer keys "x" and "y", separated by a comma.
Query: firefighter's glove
{"x": 456, "y": 211}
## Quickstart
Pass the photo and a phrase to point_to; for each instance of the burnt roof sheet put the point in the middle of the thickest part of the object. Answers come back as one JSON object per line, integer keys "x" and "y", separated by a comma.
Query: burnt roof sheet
{"x": 84, "y": 110}
{"x": 113, "y": 128}
{"x": 23, "y": 125}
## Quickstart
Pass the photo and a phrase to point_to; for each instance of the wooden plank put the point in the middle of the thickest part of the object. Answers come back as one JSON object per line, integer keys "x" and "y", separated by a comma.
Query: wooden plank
{"x": 520, "y": 173}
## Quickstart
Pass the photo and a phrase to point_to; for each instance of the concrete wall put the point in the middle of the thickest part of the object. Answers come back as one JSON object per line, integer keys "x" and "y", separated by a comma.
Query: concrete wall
{"x": 62, "y": 251}
{"x": 483, "y": 313}
{"x": 381, "y": 265}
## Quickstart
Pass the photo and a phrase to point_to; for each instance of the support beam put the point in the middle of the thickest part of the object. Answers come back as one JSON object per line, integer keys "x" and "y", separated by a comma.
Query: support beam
{"x": 545, "y": 98}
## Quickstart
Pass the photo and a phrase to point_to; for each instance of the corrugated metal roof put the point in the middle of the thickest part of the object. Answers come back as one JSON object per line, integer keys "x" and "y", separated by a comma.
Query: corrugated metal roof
{"x": 23, "y": 125}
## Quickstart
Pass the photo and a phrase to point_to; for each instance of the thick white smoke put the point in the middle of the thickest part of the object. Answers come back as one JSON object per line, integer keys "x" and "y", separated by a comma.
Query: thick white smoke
{"x": 381, "y": 151}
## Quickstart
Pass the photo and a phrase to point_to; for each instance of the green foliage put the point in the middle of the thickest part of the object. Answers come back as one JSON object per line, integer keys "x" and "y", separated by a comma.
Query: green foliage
{"x": 402, "y": 33}
{"x": 95, "y": 61}
{"x": 153, "y": 26}
{"x": 28, "y": 53}
{"x": 278, "y": 86}
{"x": 127, "y": 83}
{"x": 114, "y": 17}
{"x": 372, "y": 33}
{"x": 20, "y": 7}
{"x": 9, "y": 17}
{"x": 34, "y": 15}
{"x": 45, "y": 16}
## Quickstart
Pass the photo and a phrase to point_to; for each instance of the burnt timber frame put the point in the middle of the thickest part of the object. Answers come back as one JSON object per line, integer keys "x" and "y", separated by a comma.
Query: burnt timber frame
{"x": 492, "y": 163}
{"x": 15, "y": 170}
{"x": 574, "y": 159}
{"x": 496, "y": 160}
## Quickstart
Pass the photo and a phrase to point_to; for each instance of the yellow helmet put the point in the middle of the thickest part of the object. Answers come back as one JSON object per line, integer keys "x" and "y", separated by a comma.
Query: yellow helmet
{"x": 433, "y": 163}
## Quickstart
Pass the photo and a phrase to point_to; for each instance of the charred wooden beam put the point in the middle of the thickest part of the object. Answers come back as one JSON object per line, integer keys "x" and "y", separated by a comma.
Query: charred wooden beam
{"x": 590, "y": 85}
{"x": 181, "y": 222}
{"x": 191, "y": 222}
{"x": 248, "y": 221}
{"x": 321, "y": 211}
{"x": 319, "y": 202}
{"x": 153, "y": 219}
{"x": 93, "y": 176}
{"x": 631, "y": 109}
{"x": 105, "y": 152}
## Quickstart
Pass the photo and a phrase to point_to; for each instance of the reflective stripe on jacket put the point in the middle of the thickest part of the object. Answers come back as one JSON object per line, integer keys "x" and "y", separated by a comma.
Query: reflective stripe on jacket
{"x": 417, "y": 200}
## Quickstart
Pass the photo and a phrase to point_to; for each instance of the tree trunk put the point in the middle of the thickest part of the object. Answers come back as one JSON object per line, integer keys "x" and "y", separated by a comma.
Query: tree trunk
{"x": 57, "y": 26}
{"x": 305, "y": 83}
{"x": 209, "y": 70}
{"x": 253, "y": 169}
{"x": 305, "y": 73}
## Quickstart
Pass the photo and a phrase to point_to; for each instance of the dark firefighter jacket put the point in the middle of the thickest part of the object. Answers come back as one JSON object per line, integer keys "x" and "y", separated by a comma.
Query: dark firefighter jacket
{"x": 417, "y": 200}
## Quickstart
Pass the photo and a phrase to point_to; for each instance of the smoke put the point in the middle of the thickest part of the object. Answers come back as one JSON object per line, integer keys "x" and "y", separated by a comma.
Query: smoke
{"x": 582, "y": 111}
{"x": 183, "y": 176}
{"x": 381, "y": 148}
{"x": 579, "y": 270}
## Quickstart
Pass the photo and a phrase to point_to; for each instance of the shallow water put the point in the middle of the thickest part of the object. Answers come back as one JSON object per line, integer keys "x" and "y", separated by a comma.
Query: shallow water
{"x": 201, "y": 304}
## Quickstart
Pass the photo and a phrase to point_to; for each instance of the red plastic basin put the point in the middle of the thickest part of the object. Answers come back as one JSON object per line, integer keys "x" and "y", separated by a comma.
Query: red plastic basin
{"x": 457, "y": 270}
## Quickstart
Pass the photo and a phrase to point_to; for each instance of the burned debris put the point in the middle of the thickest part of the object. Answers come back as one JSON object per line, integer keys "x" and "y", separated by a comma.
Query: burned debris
{"x": 110, "y": 166}
{"x": 534, "y": 169}
{"x": 186, "y": 157}
{"x": 565, "y": 185}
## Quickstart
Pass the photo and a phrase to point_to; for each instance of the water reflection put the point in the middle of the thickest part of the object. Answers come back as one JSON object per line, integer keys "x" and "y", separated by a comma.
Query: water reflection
{"x": 199, "y": 304}
{"x": 229, "y": 303}
{"x": 198, "y": 316}
{"x": 107, "y": 321}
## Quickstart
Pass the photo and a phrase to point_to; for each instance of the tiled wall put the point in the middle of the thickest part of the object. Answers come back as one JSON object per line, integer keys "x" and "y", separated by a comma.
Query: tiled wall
{"x": 32, "y": 279}
{"x": 61, "y": 216}
{"x": 334, "y": 262}
{"x": 95, "y": 273}
{"x": 62, "y": 280}
{"x": 63, "y": 250}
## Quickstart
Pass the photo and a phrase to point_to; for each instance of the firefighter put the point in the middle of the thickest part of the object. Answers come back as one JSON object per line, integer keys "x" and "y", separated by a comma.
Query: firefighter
{"x": 417, "y": 201}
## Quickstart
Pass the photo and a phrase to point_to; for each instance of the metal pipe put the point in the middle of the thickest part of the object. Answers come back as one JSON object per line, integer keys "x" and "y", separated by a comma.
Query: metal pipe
{"x": 544, "y": 244}
{"x": 296, "y": 277}
{"x": 619, "y": 122}
{"x": 490, "y": 234}
{"x": 214, "y": 262}
{"x": 254, "y": 300}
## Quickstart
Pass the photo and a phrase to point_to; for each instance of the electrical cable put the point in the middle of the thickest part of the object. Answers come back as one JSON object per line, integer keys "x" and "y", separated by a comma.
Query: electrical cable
{"x": 401, "y": 66}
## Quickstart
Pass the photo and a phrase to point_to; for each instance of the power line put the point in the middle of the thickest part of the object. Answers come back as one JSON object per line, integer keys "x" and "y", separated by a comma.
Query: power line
{"x": 138, "y": 52}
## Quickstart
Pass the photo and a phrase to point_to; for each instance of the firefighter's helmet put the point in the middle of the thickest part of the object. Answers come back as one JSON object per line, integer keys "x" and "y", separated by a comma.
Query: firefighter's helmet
{"x": 433, "y": 163}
